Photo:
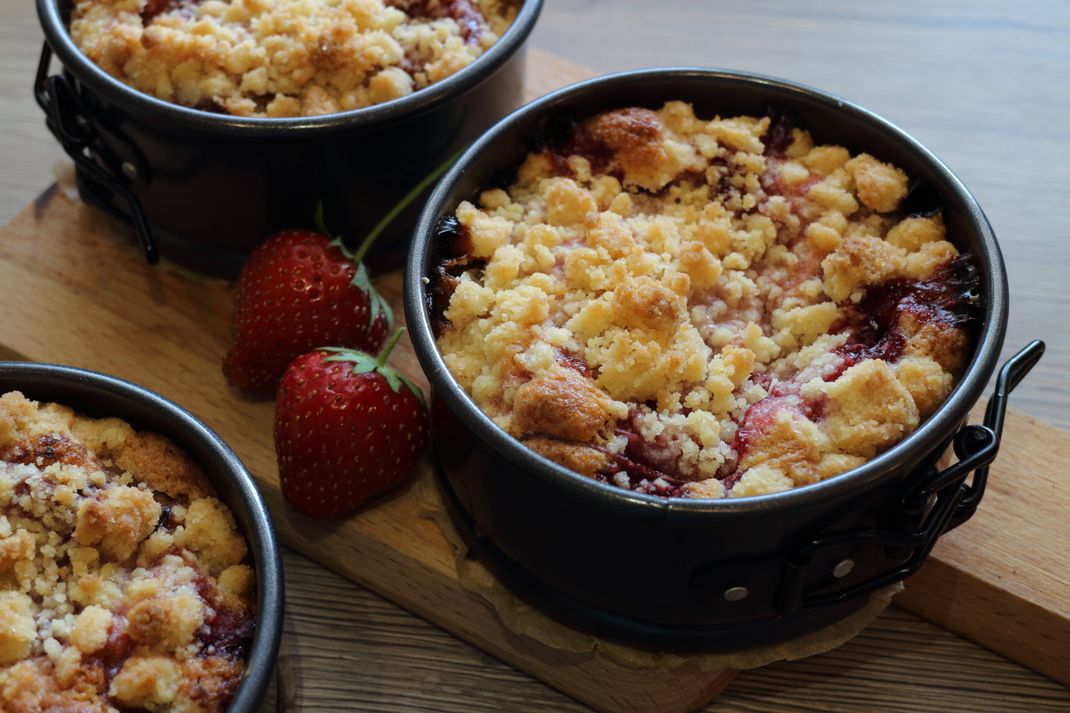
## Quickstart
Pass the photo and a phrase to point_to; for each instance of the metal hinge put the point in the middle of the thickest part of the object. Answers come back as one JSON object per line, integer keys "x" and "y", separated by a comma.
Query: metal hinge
{"x": 939, "y": 502}
{"x": 69, "y": 122}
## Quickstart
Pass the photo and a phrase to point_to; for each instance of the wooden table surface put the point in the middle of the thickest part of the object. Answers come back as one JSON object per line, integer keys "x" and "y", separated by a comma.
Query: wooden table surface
{"x": 982, "y": 84}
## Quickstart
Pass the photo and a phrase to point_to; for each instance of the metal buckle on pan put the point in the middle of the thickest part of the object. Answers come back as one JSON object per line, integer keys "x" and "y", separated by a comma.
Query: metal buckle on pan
{"x": 939, "y": 502}
{"x": 69, "y": 122}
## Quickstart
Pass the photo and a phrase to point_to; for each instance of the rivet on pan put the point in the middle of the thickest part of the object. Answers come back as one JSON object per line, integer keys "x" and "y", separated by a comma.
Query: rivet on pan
{"x": 736, "y": 594}
{"x": 130, "y": 170}
{"x": 843, "y": 568}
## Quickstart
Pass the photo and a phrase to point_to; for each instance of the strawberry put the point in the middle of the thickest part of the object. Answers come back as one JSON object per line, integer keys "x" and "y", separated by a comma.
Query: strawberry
{"x": 298, "y": 291}
{"x": 347, "y": 427}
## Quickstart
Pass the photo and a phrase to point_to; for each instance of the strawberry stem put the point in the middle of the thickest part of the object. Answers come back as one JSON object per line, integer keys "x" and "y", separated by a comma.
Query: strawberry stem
{"x": 402, "y": 204}
{"x": 389, "y": 347}
{"x": 318, "y": 221}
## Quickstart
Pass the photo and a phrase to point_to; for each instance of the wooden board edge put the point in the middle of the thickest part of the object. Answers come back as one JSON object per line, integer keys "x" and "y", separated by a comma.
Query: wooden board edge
{"x": 991, "y": 617}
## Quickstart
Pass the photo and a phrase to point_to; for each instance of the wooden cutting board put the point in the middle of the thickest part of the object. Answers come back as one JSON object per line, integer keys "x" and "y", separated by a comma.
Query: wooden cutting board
{"x": 75, "y": 290}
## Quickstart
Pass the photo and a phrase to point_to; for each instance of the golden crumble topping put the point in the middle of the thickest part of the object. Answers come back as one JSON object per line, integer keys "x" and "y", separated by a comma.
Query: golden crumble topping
{"x": 702, "y": 308}
{"x": 123, "y": 582}
{"x": 286, "y": 57}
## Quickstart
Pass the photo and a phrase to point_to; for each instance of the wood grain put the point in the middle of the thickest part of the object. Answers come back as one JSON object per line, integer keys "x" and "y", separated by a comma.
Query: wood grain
{"x": 981, "y": 83}
{"x": 1003, "y": 579}
{"x": 352, "y": 651}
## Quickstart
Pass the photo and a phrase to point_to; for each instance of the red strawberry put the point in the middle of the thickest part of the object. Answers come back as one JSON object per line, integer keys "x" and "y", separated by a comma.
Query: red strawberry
{"x": 347, "y": 427}
{"x": 300, "y": 290}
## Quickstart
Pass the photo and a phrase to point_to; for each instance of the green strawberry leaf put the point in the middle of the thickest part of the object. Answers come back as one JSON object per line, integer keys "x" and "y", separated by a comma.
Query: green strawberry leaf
{"x": 414, "y": 389}
{"x": 392, "y": 378}
{"x": 363, "y": 363}
{"x": 379, "y": 306}
{"x": 320, "y": 223}
{"x": 396, "y": 379}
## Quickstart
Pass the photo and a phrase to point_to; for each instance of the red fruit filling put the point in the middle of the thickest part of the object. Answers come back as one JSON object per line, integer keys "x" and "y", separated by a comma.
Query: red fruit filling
{"x": 464, "y": 12}
{"x": 945, "y": 299}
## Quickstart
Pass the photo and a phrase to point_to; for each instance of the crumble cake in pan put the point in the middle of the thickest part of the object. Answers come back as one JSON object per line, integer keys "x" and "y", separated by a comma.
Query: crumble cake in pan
{"x": 702, "y": 306}
{"x": 124, "y": 582}
{"x": 285, "y": 57}
{"x": 705, "y": 283}
{"x": 211, "y": 124}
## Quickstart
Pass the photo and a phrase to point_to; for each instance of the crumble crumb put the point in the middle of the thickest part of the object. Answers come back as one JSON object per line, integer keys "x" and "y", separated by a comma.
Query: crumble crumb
{"x": 108, "y": 595}
{"x": 702, "y": 308}
{"x": 286, "y": 57}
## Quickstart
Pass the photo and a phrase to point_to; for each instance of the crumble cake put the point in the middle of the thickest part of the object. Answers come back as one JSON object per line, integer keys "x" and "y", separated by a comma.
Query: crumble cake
{"x": 123, "y": 585}
{"x": 280, "y": 58}
{"x": 702, "y": 308}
